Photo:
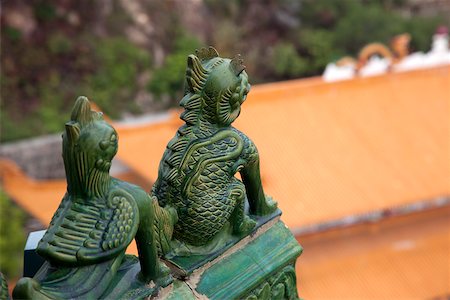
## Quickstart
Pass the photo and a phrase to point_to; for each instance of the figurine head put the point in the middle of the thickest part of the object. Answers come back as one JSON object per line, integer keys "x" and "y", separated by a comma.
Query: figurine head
{"x": 89, "y": 145}
{"x": 215, "y": 87}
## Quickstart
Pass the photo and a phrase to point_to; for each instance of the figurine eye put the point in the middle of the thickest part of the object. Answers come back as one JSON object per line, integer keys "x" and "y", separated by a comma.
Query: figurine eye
{"x": 113, "y": 138}
{"x": 104, "y": 145}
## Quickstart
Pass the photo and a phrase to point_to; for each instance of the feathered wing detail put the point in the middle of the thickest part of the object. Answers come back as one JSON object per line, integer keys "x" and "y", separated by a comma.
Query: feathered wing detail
{"x": 84, "y": 233}
{"x": 122, "y": 220}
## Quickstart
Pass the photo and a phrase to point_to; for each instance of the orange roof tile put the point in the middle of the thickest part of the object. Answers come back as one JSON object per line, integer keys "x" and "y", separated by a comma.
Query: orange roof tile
{"x": 329, "y": 150}
{"x": 401, "y": 258}
{"x": 38, "y": 198}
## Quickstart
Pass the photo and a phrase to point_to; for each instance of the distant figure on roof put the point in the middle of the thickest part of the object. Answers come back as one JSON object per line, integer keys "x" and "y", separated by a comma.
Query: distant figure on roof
{"x": 440, "y": 40}
{"x": 376, "y": 58}
{"x": 373, "y": 59}
{"x": 196, "y": 173}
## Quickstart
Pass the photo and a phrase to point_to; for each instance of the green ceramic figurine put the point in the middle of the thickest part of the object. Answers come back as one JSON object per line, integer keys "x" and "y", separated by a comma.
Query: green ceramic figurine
{"x": 197, "y": 209}
{"x": 197, "y": 172}
{"x": 97, "y": 219}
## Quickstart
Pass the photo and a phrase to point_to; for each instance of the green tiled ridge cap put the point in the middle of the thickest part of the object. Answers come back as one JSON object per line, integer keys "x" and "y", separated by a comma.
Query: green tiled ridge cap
{"x": 183, "y": 266}
{"x": 236, "y": 275}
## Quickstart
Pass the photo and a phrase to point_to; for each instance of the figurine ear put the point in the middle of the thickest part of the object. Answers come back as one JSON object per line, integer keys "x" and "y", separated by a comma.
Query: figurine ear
{"x": 205, "y": 54}
{"x": 196, "y": 75}
{"x": 237, "y": 65}
{"x": 81, "y": 111}
{"x": 72, "y": 131}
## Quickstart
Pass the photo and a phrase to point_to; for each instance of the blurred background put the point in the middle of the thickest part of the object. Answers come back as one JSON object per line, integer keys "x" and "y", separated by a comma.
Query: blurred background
{"x": 369, "y": 146}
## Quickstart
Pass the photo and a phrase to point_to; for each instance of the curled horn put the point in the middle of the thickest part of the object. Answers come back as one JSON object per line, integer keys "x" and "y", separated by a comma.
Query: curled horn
{"x": 237, "y": 65}
{"x": 81, "y": 111}
{"x": 206, "y": 53}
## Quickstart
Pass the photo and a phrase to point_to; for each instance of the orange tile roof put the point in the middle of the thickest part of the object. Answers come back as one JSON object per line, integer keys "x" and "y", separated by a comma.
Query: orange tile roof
{"x": 329, "y": 150}
{"x": 38, "y": 198}
{"x": 401, "y": 258}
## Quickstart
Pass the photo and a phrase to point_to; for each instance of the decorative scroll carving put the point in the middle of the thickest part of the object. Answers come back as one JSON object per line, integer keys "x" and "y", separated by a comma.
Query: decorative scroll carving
{"x": 280, "y": 286}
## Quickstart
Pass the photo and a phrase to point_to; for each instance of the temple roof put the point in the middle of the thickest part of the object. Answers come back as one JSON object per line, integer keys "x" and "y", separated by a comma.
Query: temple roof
{"x": 397, "y": 258}
{"x": 328, "y": 150}
{"x": 332, "y": 150}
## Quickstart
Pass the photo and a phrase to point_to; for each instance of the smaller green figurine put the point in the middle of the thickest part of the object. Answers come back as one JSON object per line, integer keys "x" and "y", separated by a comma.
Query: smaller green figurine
{"x": 97, "y": 219}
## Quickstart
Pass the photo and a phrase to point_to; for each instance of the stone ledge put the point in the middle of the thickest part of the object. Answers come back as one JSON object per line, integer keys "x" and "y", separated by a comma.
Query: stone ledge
{"x": 246, "y": 269}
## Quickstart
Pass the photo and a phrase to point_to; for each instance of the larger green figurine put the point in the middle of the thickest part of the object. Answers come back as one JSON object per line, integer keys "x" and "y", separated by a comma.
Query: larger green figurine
{"x": 97, "y": 219}
{"x": 197, "y": 172}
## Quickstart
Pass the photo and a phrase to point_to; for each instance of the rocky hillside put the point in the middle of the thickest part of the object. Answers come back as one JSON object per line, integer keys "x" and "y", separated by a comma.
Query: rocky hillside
{"x": 129, "y": 56}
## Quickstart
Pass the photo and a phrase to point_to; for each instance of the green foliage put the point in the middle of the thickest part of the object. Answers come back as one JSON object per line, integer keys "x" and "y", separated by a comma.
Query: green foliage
{"x": 51, "y": 111}
{"x": 421, "y": 30}
{"x": 319, "y": 46}
{"x": 12, "y": 33}
{"x": 44, "y": 72}
{"x": 10, "y": 130}
{"x": 110, "y": 79}
{"x": 114, "y": 83}
{"x": 366, "y": 24}
{"x": 44, "y": 11}
{"x": 332, "y": 29}
{"x": 59, "y": 44}
{"x": 169, "y": 78}
{"x": 287, "y": 62}
{"x": 12, "y": 237}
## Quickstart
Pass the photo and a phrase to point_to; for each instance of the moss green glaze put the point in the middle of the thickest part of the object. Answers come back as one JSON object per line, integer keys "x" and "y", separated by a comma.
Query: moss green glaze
{"x": 263, "y": 268}
{"x": 197, "y": 209}
{"x": 197, "y": 171}
{"x": 281, "y": 285}
{"x": 97, "y": 219}
{"x": 179, "y": 290}
{"x": 184, "y": 265}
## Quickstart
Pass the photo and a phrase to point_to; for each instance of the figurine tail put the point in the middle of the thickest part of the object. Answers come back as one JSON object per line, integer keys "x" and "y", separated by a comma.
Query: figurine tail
{"x": 165, "y": 219}
{"x": 26, "y": 288}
